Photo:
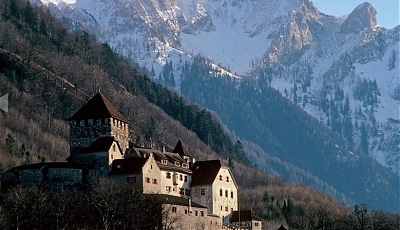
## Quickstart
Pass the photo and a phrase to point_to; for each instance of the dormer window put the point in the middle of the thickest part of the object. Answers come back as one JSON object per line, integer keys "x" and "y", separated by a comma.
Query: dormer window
{"x": 177, "y": 163}
{"x": 184, "y": 165}
{"x": 164, "y": 162}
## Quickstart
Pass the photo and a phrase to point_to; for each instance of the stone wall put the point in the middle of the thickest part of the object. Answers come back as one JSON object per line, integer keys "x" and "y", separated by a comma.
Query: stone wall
{"x": 49, "y": 175}
{"x": 184, "y": 217}
{"x": 120, "y": 131}
{"x": 84, "y": 132}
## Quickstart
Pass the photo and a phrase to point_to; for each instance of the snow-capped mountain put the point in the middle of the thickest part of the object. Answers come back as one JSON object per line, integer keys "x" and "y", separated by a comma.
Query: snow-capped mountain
{"x": 342, "y": 71}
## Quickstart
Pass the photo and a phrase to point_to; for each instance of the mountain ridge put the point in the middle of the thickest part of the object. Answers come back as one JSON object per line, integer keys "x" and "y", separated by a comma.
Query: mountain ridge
{"x": 286, "y": 68}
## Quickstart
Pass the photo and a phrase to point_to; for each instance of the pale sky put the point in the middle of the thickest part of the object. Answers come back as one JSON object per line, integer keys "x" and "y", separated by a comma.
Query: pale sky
{"x": 387, "y": 10}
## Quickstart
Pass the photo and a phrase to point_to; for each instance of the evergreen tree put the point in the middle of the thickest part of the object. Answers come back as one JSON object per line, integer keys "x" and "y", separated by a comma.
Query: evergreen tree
{"x": 364, "y": 139}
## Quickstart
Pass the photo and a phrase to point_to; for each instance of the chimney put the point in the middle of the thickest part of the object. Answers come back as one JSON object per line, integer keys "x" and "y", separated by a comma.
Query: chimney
{"x": 163, "y": 149}
{"x": 189, "y": 205}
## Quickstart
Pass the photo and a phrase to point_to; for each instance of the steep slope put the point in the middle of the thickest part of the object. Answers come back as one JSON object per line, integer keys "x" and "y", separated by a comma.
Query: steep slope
{"x": 308, "y": 56}
{"x": 290, "y": 36}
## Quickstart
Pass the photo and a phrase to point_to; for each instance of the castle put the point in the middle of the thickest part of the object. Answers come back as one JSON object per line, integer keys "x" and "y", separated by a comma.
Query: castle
{"x": 204, "y": 193}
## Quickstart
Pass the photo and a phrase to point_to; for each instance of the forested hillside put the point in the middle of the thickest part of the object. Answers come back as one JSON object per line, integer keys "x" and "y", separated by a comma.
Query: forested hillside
{"x": 49, "y": 73}
{"x": 287, "y": 132}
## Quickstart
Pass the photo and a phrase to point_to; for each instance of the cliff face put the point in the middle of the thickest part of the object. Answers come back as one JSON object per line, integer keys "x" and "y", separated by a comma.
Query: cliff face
{"x": 363, "y": 17}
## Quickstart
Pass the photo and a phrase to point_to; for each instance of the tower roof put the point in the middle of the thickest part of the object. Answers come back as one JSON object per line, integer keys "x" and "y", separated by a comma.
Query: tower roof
{"x": 181, "y": 149}
{"x": 98, "y": 107}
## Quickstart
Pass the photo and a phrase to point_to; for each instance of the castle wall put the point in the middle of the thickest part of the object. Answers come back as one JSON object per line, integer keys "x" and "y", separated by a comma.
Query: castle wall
{"x": 51, "y": 177}
{"x": 85, "y": 132}
{"x": 184, "y": 217}
{"x": 203, "y": 195}
{"x": 120, "y": 131}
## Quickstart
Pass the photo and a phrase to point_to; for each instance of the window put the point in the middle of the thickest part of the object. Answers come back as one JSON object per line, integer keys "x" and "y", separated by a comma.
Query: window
{"x": 203, "y": 191}
{"x": 220, "y": 177}
{"x": 147, "y": 179}
{"x": 185, "y": 179}
{"x": 255, "y": 223}
{"x": 226, "y": 209}
{"x": 186, "y": 211}
{"x": 168, "y": 188}
{"x": 181, "y": 191}
{"x": 226, "y": 193}
{"x": 168, "y": 175}
{"x": 177, "y": 163}
{"x": 154, "y": 181}
{"x": 130, "y": 180}
{"x": 231, "y": 194}
{"x": 184, "y": 165}
{"x": 113, "y": 147}
{"x": 201, "y": 213}
{"x": 173, "y": 209}
{"x": 181, "y": 177}
{"x": 195, "y": 213}
{"x": 151, "y": 166}
{"x": 164, "y": 162}
{"x": 221, "y": 208}
{"x": 227, "y": 179}
{"x": 220, "y": 192}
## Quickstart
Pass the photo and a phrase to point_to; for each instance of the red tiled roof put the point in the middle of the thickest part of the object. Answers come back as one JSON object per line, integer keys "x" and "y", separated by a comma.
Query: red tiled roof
{"x": 101, "y": 144}
{"x": 98, "y": 107}
{"x": 127, "y": 166}
{"x": 160, "y": 155}
{"x": 205, "y": 172}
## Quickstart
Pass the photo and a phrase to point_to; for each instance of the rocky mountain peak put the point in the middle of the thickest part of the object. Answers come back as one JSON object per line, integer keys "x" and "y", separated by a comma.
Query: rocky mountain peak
{"x": 363, "y": 16}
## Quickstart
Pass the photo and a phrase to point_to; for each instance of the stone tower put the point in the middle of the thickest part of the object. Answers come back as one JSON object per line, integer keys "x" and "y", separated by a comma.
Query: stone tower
{"x": 97, "y": 118}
